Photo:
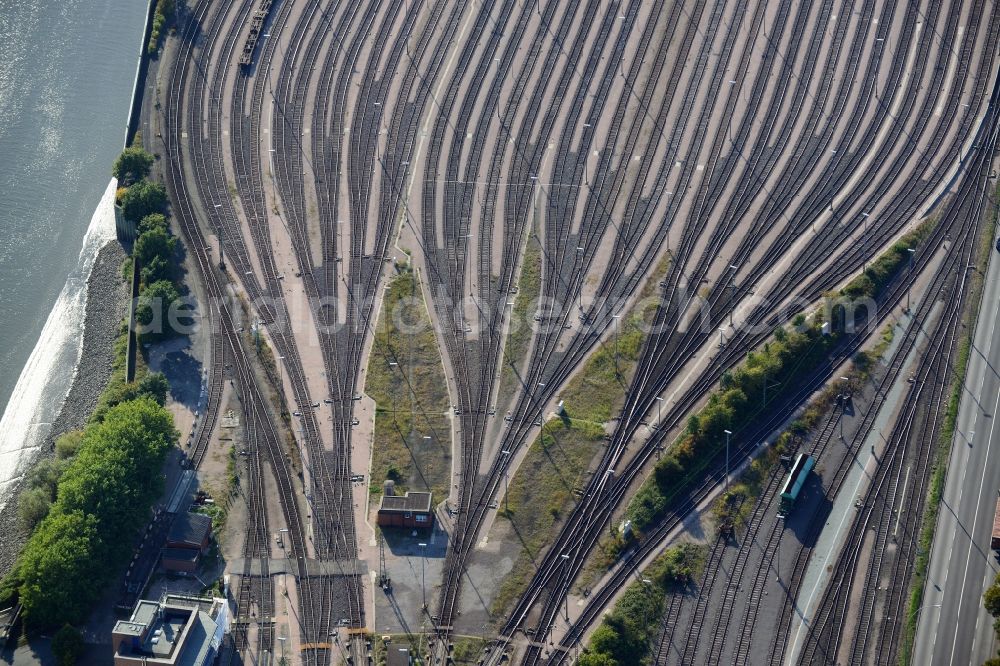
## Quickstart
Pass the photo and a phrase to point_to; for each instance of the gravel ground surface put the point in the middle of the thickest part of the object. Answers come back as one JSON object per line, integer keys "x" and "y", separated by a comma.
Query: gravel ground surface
{"x": 107, "y": 300}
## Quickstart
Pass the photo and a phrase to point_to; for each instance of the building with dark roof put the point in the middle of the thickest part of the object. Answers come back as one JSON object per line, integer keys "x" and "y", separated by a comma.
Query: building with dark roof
{"x": 397, "y": 656}
{"x": 176, "y": 631}
{"x": 414, "y": 509}
{"x": 190, "y": 530}
{"x": 186, "y": 542}
{"x": 180, "y": 559}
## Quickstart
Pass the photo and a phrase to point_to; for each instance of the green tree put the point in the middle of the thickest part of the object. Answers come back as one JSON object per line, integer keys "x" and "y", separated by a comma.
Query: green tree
{"x": 991, "y": 598}
{"x": 669, "y": 473}
{"x": 120, "y": 459}
{"x": 676, "y": 566}
{"x": 132, "y": 165}
{"x": 154, "y": 249}
{"x": 157, "y": 269}
{"x": 596, "y": 659}
{"x": 153, "y": 385}
{"x": 605, "y": 639}
{"x": 153, "y": 221}
{"x": 152, "y": 310}
{"x": 156, "y": 386}
{"x": 59, "y": 571}
{"x": 67, "y": 645}
{"x": 104, "y": 496}
{"x": 143, "y": 198}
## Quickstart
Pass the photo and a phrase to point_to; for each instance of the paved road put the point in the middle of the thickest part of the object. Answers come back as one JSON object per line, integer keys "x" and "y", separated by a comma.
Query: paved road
{"x": 954, "y": 627}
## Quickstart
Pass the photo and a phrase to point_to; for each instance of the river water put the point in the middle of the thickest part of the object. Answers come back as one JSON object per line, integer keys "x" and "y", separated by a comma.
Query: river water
{"x": 66, "y": 74}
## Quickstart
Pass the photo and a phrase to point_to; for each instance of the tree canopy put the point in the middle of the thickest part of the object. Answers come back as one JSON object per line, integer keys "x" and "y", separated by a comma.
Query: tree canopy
{"x": 143, "y": 198}
{"x": 154, "y": 250}
{"x": 153, "y": 221}
{"x": 152, "y": 310}
{"x": 132, "y": 165}
{"x": 103, "y": 498}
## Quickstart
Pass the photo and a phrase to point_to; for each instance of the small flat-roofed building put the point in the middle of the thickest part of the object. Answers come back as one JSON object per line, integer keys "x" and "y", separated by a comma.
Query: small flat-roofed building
{"x": 180, "y": 559}
{"x": 176, "y": 631}
{"x": 190, "y": 530}
{"x": 397, "y": 656}
{"x": 414, "y": 509}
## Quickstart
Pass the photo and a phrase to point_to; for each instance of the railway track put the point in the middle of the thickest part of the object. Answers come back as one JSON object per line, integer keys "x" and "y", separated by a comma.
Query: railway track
{"x": 911, "y": 442}
{"x": 501, "y": 140}
{"x": 258, "y": 418}
{"x": 912, "y": 204}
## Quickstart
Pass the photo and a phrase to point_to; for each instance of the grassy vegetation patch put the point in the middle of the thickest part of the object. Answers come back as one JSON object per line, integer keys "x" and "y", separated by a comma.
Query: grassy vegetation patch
{"x": 467, "y": 651}
{"x": 529, "y": 287}
{"x": 542, "y": 493}
{"x": 627, "y": 632}
{"x": 591, "y": 396}
{"x": 412, "y": 440}
{"x": 598, "y": 390}
{"x": 873, "y": 281}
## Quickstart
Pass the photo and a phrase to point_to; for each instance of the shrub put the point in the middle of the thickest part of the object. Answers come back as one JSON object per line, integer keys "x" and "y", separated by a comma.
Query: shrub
{"x": 596, "y": 659}
{"x": 67, "y": 645}
{"x": 784, "y": 361}
{"x": 164, "y": 12}
{"x": 68, "y": 443}
{"x": 33, "y": 506}
{"x": 991, "y": 598}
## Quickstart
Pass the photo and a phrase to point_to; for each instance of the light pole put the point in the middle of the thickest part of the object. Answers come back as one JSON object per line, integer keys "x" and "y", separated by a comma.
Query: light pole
{"x": 659, "y": 414}
{"x": 768, "y": 385}
{"x": 282, "y": 639}
{"x": 649, "y": 587}
{"x": 610, "y": 475}
{"x": 777, "y": 558}
{"x": 921, "y": 609}
{"x": 281, "y": 380}
{"x": 541, "y": 412}
{"x": 669, "y": 251}
{"x": 222, "y": 251}
{"x": 423, "y": 576}
{"x": 844, "y": 406}
{"x": 909, "y": 284}
{"x": 617, "y": 371}
{"x": 732, "y": 285}
{"x": 565, "y": 559}
{"x": 732, "y": 82}
{"x": 878, "y": 39}
{"x": 864, "y": 240}
{"x": 579, "y": 251}
{"x": 506, "y": 484}
{"x": 728, "y": 433}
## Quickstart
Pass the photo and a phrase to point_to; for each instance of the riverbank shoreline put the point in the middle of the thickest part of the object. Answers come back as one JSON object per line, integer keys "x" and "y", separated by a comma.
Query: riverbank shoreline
{"x": 106, "y": 305}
